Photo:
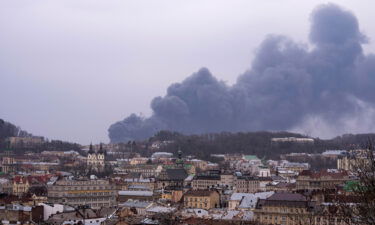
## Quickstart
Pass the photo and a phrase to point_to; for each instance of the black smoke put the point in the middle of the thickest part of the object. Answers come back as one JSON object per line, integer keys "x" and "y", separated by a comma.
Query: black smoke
{"x": 325, "y": 89}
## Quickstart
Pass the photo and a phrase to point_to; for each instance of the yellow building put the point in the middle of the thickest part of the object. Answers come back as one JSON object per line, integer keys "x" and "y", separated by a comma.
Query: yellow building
{"x": 203, "y": 199}
{"x": 310, "y": 180}
{"x": 172, "y": 195}
{"x": 247, "y": 184}
{"x": 285, "y": 209}
{"x": 20, "y": 185}
{"x": 8, "y": 164}
{"x": 353, "y": 160}
{"x": 95, "y": 193}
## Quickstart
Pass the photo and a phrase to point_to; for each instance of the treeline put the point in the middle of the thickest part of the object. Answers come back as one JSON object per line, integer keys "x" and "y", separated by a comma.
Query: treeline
{"x": 256, "y": 143}
{"x": 10, "y": 130}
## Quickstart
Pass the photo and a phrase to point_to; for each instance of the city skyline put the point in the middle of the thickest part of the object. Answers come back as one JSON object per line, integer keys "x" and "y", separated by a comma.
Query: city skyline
{"x": 71, "y": 69}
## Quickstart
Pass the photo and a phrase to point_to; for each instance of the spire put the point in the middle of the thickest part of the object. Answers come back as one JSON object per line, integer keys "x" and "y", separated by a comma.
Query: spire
{"x": 101, "y": 150}
{"x": 277, "y": 171}
{"x": 91, "y": 149}
{"x": 179, "y": 161}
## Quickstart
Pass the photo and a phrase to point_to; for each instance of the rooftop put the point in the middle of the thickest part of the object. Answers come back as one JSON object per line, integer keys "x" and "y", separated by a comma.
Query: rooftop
{"x": 284, "y": 196}
{"x": 199, "y": 193}
{"x": 136, "y": 193}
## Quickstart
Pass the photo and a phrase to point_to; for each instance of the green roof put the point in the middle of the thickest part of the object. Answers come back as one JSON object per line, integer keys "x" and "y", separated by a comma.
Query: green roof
{"x": 351, "y": 185}
{"x": 251, "y": 157}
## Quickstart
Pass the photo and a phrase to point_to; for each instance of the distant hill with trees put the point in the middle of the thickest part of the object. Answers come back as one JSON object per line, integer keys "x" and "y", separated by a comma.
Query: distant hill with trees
{"x": 8, "y": 129}
{"x": 257, "y": 143}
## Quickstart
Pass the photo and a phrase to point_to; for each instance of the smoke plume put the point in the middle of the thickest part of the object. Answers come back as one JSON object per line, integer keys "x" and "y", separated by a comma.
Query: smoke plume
{"x": 324, "y": 90}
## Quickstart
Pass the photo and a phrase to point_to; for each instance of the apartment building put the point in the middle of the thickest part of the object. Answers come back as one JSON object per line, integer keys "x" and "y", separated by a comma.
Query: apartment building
{"x": 203, "y": 199}
{"x": 352, "y": 160}
{"x": 213, "y": 178}
{"x": 131, "y": 183}
{"x": 94, "y": 193}
{"x": 294, "y": 166}
{"x": 246, "y": 184}
{"x": 202, "y": 182}
{"x": 146, "y": 170}
{"x": 285, "y": 209}
{"x": 325, "y": 179}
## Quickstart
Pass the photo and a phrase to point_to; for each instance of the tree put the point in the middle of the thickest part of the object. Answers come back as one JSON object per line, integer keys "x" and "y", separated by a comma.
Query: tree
{"x": 360, "y": 208}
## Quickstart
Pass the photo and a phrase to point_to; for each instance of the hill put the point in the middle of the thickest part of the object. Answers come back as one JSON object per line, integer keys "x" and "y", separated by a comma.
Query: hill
{"x": 257, "y": 143}
{"x": 8, "y": 129}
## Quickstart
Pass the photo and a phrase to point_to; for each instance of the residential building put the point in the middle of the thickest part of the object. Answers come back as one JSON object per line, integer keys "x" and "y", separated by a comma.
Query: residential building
{"x": 227, "y": 180}
{"x": 171, "y": 178}
{"x": 352, "y": 160}
{"x": 241, "y": 201}
{"x": 202, "y": 182}
{"x": 264, "y": 171}
{"x": 95, "y": 193}
{"x": 7, "y": 164}
{"x": 213, "y": 178}
{"x": 21, "y": 184}
{"x": 146, "y": 170}
{"x": 203, "y": 199}
{"x": 130, "y": 183}
{"x": 293, "y": 166}
{"x": 246, "y": 184}
{"x": 82, "y": 216}
{"x": 20, "y": 214}
{"x": 325, "y": 179}
{"x": 284, "y": 208}
{"x": 136, "y": 207}
{"x": 123, "y": 196}
{"x": 200, "y": 164}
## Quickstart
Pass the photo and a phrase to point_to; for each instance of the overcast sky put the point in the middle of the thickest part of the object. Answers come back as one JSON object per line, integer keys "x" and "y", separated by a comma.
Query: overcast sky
{"x": 69, "y": 69}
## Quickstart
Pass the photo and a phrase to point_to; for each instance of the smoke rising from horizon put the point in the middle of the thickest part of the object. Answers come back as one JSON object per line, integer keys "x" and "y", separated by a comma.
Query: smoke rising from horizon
{"x": 323, "y": 91}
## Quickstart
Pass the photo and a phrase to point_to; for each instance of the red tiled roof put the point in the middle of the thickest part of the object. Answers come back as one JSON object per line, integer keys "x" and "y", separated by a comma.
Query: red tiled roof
{"x": 323, "y": 173}
{"x": 31, "y": 179}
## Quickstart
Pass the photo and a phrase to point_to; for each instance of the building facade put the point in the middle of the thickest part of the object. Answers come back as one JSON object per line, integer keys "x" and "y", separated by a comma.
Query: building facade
{"x": 246, "y": 184}
{"x": 202, "y": 199}
{"x": 94, "y": 193}
{"x": 96, "y": 159}
{"x": 310, "y": 180}
{"x": 285, "y": 209}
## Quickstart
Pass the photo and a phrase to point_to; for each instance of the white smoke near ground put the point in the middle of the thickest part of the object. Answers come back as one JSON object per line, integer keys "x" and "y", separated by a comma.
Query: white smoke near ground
{"x": 362, "y": 121}
{"x": 325, "y": 91}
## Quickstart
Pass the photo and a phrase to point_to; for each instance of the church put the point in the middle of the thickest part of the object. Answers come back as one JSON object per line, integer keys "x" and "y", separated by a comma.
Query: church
{"x": 96, "y": 159}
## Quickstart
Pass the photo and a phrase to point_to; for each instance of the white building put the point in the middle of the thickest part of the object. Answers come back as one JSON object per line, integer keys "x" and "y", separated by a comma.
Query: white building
{"x": 51, "y": 209}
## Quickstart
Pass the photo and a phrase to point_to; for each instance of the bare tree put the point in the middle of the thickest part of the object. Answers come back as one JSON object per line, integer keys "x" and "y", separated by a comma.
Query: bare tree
{"x": 358, "y": 207}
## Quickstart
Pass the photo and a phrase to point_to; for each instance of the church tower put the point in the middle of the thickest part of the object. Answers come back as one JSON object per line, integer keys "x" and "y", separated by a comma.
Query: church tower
{"x": 96, "y": 159}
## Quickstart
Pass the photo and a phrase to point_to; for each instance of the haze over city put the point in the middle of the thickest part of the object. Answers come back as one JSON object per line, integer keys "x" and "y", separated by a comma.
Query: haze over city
{"x": 172, "y": 112}
{"x": 70, "y": 69}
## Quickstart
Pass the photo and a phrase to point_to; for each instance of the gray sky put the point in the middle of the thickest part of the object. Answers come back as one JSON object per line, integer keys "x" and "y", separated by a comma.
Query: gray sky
{"x": 69, "y": 69}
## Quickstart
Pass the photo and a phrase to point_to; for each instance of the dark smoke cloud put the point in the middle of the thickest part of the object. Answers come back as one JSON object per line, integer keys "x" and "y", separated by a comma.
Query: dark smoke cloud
{"x": 323, "y": 91}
